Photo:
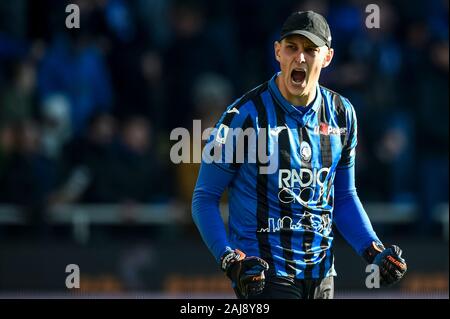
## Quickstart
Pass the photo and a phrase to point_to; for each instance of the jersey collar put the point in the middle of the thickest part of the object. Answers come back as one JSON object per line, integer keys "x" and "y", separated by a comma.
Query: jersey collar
{"x": 289, "y": 108}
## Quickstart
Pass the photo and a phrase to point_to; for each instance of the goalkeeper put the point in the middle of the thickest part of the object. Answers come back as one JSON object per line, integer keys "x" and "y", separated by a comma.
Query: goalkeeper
{"x": 280, "y": 220}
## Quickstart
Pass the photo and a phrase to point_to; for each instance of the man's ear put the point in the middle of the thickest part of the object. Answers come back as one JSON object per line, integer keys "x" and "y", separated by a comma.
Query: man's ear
{"x": 328, "y": 58}
{"x": 277, "y": 49}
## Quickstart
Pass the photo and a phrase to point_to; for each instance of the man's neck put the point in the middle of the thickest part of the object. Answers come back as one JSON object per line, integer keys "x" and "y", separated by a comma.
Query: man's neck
{"x": 297, "y": 100}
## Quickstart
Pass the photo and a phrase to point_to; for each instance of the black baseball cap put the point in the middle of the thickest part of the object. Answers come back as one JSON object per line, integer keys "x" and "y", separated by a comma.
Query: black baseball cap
{"x": 309, "y": 24}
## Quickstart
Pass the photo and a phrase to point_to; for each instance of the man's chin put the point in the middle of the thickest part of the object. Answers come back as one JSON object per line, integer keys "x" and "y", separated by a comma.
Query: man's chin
{"x": 297, "y": 90}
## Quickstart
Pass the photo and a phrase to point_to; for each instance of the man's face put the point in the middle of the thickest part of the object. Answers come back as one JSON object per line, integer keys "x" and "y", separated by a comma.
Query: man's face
{"x": 301, "y": 62}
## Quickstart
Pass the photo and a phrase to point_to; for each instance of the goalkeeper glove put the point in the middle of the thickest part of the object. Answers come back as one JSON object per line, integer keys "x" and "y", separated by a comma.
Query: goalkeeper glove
{"x": 389, "y": 260}
{"x": 246, "y": 273}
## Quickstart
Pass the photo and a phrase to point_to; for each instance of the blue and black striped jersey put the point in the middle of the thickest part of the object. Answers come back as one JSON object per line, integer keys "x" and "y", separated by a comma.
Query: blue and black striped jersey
{"x": 285, "y": 215}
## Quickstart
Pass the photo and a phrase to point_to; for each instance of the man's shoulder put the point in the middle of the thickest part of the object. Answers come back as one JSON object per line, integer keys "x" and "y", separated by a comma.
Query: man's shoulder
{"x": 337, "y": 100}
{"x": 248, "y": 99}
{"x": 253, "y": 93}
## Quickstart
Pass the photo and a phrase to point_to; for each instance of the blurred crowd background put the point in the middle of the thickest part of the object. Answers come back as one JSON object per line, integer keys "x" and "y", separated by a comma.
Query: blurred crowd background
{"x": 86, "y": 114}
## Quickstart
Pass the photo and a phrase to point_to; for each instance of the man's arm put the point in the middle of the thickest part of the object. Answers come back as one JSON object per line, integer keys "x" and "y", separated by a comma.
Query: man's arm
{"x": 211, "y": 184}
{"x": 246, "y": 273}
{"x": 349, "y": 215}
{"x": 354, "y": 224}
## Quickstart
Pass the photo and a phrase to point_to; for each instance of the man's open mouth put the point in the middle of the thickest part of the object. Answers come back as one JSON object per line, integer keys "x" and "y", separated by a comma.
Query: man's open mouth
{"x": 298, "y": 76}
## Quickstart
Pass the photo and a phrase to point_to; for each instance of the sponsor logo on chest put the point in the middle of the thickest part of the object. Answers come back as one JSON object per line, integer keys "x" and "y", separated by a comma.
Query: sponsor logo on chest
{"x": 326, "y": 129}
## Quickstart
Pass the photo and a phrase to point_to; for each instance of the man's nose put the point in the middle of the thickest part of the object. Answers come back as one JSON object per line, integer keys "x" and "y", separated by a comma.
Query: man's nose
{"x": 300, "y": 58}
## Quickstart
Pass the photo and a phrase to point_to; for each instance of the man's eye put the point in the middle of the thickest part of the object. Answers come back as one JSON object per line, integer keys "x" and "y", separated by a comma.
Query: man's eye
{"x": 292, "y": 47}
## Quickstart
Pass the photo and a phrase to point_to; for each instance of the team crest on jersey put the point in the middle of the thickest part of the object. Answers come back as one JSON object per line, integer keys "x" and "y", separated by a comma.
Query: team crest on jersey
{"x": 305, "y": 151}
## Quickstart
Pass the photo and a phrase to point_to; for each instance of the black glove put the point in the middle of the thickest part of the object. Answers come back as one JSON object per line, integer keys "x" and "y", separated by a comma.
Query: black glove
{"x": 389, "y": 260}
{"x": 246, "y": 273}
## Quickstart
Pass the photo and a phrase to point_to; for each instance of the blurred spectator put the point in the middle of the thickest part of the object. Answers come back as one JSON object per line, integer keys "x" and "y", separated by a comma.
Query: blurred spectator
{"x": 86, "y": 167}
{"x": 392, "y": 155}
{"x": 13, "y": 18}
{"x": 76, "y": 69}
{"x": 154, "y": 88}
{"x": 29, "y": 176}
{"x": 119, "y": 20}
{"x": 140, "y": 175}
{"x": 212, "y": 93}
{"x": 7, "y": 146}
{"x": 56, "y": 126}
{"x": 153, "y": 17}
{"x": 17, "y": 99}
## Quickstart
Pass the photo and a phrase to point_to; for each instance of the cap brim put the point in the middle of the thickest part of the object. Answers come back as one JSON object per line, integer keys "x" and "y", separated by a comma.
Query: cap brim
{"x": 314, "y": 38}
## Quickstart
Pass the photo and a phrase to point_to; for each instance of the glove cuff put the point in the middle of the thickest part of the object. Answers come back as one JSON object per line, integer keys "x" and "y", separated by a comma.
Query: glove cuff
{"x": 229, "y": 257}
{"x": 372, "y": 251}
